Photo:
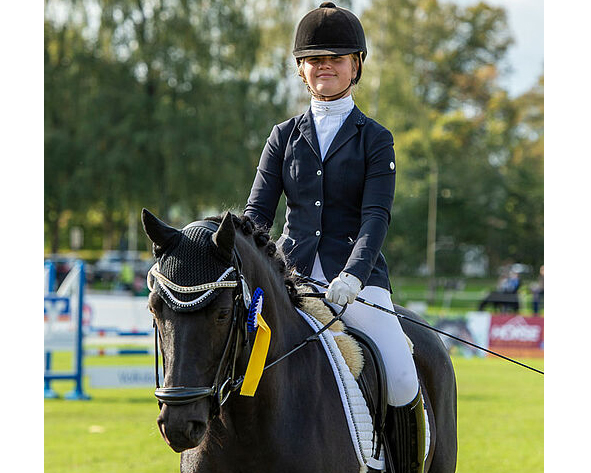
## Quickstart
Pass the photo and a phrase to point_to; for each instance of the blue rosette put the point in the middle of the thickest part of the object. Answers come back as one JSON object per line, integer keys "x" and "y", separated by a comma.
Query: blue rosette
{"x": 256, "y": 307}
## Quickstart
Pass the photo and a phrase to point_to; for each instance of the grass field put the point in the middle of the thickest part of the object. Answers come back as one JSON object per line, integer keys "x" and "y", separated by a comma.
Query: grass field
{"x": 500, "y": 411}
{"x": 500, "y": 416}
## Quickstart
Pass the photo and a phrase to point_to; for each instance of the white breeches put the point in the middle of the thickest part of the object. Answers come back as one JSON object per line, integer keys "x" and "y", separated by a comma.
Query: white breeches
{"x": 385, "y": 330}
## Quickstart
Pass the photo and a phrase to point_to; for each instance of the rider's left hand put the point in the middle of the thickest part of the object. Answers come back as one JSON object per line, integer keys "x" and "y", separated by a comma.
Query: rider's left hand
{"x": 343, "y": 289}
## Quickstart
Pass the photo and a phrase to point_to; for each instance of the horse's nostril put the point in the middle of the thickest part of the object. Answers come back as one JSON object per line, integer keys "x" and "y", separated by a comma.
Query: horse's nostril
{"x": 162, "y": 429}
{"x": 195, "y": 431}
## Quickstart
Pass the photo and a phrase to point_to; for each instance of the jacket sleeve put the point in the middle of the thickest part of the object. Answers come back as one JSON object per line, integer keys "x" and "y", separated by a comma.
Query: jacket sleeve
{"x": 268, "y": 184}
{"x": 378, "y": 196}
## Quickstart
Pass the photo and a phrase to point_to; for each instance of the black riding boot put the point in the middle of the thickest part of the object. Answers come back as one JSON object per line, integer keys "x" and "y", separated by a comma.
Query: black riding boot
{"x": 406, "y": 434}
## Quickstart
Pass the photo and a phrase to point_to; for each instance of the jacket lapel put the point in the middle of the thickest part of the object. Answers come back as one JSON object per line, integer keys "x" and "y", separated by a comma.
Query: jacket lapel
{"x": 349, "y": 129}
{"x": 308, "y": 131}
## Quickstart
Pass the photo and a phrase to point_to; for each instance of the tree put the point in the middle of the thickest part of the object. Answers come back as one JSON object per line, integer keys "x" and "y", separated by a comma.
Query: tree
{"x": 66, "y": 88}
{"x": 167, "y": 105}
{"x": 170, "y": 108}
{"x": 431, "y": 77}
{"x": 523, "y": 211}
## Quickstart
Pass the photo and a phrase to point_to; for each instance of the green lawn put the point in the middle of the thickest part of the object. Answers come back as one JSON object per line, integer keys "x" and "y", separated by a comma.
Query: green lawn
{"x": 500, "y": 416}
{"x": 500, "y": 409}
{"x": 114, "y": 432}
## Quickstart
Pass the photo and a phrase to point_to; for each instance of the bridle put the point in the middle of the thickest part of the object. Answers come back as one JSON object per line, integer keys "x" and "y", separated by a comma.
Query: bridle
{"x": 224, "y": 381}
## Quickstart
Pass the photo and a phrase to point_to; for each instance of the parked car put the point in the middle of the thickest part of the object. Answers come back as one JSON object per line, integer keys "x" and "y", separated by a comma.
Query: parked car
{"x": 110, "y": 265}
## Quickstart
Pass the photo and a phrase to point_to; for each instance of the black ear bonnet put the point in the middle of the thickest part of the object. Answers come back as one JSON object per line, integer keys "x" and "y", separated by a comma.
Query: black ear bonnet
{"x": 193, "y": 261}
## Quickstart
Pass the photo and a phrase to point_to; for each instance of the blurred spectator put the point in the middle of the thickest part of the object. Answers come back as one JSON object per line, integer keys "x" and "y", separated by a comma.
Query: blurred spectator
{"x": 537, "y": 290}
{"x": 510, "y": 284}
{"x": 140, "y": 288}
{"x": 127, "y": 276}
{"x": 505, "y": 298}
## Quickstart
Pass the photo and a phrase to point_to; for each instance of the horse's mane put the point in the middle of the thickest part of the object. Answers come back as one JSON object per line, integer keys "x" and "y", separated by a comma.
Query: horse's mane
{"x": 267, "y": 246}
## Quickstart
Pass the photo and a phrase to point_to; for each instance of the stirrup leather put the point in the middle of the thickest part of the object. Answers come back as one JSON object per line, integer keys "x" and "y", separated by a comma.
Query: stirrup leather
{"x": 407, "y": 436}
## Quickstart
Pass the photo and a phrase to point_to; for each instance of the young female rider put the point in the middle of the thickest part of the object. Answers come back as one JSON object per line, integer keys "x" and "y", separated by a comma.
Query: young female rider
{"x": 337, "y": 170}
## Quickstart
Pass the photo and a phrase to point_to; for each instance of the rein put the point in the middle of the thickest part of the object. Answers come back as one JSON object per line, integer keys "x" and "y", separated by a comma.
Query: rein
{"x": 400, "y": 316}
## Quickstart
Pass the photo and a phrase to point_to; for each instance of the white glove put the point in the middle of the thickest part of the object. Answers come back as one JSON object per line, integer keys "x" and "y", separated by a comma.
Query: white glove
{"x": 343, "y": 289}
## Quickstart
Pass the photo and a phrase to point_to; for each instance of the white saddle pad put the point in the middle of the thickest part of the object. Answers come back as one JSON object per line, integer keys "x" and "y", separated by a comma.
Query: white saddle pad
{"x": 354, "y": 405}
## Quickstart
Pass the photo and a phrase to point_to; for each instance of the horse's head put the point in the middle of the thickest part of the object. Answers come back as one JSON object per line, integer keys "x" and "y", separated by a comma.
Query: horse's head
{"x": 198, "y": 299}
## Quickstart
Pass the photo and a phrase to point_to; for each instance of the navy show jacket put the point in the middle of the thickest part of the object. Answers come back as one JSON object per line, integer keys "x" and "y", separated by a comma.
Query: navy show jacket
{"x": 339, "y": 207}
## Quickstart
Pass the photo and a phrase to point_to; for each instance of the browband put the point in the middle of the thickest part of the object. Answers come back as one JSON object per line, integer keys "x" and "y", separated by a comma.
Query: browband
{"x": 166, "y": 285}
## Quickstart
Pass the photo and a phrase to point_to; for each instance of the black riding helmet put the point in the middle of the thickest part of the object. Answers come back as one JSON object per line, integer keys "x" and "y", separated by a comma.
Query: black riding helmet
{"x": 330, "y": 31}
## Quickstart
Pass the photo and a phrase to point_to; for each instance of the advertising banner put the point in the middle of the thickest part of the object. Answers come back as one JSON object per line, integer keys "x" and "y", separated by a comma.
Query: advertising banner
{"x": 516, "y": 335}
{"x": 59, "y": 327}
{"x": 122, "y": 376}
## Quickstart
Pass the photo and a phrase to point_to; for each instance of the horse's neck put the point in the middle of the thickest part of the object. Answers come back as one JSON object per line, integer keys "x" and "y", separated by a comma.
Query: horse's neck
{"x": 278, "y": 310}
{"x": 286, "y": 391}
{"x": 299, "y": 392}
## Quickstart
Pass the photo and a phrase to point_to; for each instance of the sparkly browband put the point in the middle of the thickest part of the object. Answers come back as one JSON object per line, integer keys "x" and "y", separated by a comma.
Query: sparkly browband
{"x": 166, "y": 285}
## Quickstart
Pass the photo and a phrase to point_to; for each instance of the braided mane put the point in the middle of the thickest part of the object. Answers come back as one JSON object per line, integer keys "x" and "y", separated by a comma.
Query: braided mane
{"x": 267, "y": 246}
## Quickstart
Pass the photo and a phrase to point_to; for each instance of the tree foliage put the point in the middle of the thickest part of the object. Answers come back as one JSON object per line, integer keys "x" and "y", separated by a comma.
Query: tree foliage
{"x": 162, "y": 104}
{"x": 167, "y": 104}
{"x": 432, "y": 78}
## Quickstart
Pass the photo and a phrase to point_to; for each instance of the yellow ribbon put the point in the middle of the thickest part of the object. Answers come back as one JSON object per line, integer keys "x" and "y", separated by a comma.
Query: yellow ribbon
{"x": 258, "y": 356}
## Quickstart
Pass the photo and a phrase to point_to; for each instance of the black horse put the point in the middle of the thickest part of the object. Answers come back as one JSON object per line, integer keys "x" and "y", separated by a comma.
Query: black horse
{"x": 295, "y": 422}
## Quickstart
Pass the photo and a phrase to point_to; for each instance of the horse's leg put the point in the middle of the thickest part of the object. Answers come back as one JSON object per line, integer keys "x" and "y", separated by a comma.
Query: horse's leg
{"x": 483, "y": 304}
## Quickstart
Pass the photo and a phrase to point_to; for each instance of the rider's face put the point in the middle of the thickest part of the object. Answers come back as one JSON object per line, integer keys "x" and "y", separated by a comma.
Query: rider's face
{"x": 329, "y": 75}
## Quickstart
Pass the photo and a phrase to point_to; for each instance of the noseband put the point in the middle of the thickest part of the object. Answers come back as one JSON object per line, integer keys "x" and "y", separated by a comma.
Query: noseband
{"x": 224, "y": 381}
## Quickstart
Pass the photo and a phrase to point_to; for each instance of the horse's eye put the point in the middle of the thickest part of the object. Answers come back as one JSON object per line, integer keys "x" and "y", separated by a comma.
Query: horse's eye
{"x": 223, "y": 315}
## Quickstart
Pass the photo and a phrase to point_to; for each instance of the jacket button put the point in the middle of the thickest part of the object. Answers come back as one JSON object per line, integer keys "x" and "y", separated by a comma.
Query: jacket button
{"x": 317, "y": 203}
{"x": 319, "y": 173}
{"x": 317, "y": 232}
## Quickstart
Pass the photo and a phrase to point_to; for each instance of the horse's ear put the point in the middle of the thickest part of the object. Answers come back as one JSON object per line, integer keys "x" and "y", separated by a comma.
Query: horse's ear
{"x": 225, "y": 236}
{"x": 161, "y": 234}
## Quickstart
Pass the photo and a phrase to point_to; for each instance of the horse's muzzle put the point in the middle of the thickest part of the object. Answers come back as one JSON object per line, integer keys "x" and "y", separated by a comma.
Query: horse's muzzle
{"x": 182, "y": 427}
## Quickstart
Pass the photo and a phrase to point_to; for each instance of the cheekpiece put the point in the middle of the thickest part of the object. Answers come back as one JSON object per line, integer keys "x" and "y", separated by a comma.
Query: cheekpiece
{"x": 191, "y": 274}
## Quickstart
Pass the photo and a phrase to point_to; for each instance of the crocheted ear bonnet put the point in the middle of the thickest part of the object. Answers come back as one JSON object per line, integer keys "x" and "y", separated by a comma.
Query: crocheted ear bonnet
{"x": 191, "y": 271}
